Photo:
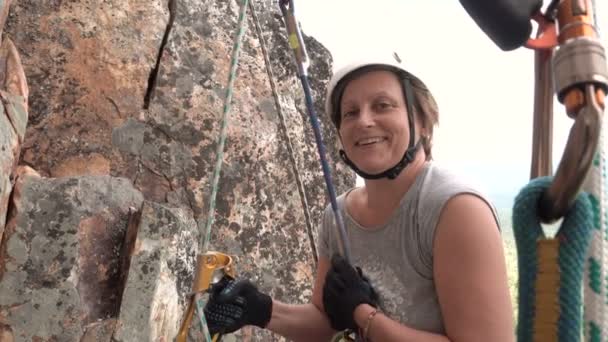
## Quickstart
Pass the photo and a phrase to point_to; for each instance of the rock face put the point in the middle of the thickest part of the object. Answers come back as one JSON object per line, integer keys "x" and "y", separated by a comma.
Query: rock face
{"x": 13, "y": 115}
{"x": 125, "y": 108}
{"x": 160, "y": 274}
{"x": 61, "y": 255}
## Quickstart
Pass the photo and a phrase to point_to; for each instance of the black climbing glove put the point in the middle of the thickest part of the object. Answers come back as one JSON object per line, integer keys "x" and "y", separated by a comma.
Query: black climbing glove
{"x": 346, "y": 288}
{"x": 235, "y": 303}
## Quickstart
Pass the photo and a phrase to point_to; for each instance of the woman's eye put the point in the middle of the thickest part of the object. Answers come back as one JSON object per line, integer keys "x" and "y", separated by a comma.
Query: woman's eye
{"x": 348, "y": 113}
{"x": 384, "y": 105}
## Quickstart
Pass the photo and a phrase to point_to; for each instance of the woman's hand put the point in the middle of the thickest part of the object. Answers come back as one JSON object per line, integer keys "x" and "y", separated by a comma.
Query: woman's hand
{"x": 236, "y": 303}
{"x": 345, "y": 289}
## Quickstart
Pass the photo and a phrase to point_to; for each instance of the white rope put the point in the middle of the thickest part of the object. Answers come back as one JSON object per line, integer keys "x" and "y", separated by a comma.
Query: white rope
{"x": 595, "y": 294}
{"x": 596, "y": 298}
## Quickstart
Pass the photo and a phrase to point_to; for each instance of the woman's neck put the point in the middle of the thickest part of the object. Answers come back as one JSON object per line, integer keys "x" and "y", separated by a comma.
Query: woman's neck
{"x": 387, "y": 193}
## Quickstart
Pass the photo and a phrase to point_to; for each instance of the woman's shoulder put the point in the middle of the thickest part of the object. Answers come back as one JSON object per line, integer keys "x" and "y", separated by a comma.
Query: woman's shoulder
{"x": 441, "y": 180}
{"x": 441, "y": 184}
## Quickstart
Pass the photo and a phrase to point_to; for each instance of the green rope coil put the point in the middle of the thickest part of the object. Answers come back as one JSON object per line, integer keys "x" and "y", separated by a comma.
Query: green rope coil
{"x": 574, "y": 235}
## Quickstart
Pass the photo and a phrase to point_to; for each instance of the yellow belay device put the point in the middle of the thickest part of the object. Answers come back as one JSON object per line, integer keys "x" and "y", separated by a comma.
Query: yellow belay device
{"x": 211, "y": 267}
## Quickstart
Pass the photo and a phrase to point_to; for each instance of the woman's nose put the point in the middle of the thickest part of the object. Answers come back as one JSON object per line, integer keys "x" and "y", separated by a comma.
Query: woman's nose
{"x": 366, "y": 118}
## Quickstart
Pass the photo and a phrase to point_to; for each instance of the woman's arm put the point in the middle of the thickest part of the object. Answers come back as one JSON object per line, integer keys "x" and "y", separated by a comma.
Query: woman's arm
{"x": 305, "y": 322}
{"x": 470, "y": 277}
{"x": 470, "y": 273}
{"x": 382, "y": 328}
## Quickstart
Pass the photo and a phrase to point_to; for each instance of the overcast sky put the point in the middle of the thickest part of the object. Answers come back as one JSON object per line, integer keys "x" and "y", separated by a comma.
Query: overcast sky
{"x": 485, "y": 95}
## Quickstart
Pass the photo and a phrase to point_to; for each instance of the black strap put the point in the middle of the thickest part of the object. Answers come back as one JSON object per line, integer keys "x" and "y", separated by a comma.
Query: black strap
{"x": 391, "y": 173}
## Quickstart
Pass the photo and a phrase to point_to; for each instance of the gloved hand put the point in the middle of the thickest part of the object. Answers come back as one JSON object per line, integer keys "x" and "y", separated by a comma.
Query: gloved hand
{"x": 346, "y": 288}
{"x": 235, "y": 303}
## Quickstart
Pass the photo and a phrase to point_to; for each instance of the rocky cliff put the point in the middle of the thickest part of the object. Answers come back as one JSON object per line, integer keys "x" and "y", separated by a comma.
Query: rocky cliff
{"x": 109, "y": 124}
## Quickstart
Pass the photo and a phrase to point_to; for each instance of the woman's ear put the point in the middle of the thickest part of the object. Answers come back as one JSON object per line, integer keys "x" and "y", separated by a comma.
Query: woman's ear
{"x": 421, "y": 131}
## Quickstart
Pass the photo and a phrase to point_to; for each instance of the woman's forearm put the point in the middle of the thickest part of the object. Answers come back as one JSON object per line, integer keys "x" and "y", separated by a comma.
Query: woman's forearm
{"x": 303, "y": 322}
{"x": 382, "y": 328}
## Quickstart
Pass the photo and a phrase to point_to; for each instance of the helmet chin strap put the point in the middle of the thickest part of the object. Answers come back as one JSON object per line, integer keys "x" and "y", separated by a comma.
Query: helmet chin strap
{"x": 391, "y": 173}
{"x": 410, "y": 152}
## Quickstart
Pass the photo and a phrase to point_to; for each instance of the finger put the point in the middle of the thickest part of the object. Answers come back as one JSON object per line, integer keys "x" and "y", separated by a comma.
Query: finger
{"x": 214, "y": 329}
{"x": 225, "y": 322}
{"x": 220, "y": 285}
{"x": 236, "y": 313}
{"x": 332, "y": 292}
{"x": 232, "y": 325}
{"x": 334, "y": 281}
{"x": 363, "y": 276}
{"x": 337, "y": 261}
{"x": 240, "y": 301}
{"x": 327, "y": 299}
{"x": 233, "y": 290}
{"x": 341, "y": 266}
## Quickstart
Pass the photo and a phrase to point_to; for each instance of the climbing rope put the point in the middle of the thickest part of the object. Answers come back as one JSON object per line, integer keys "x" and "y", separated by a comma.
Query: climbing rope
{"x": 550, "y": 269}
{"x": 283, "y": 126}
{"x": 595, "y": 269}
{"x": 596, "y": 283}
{"x": 236, "y": 49}
{"x": 296, "y": 43}
{"x": 208, "y": 262}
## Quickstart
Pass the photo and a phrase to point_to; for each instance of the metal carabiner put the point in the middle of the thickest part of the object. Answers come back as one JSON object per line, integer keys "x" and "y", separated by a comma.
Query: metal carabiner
{"x": 294, "y": 34}
{"x": 577, "y": 158}
{"x": 210, "y": 268}
{"x": 577, "y": 70}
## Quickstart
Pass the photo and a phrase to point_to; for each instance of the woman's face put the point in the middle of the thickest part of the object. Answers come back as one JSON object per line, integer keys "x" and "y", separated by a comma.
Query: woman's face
{"x": 374, "y": 127}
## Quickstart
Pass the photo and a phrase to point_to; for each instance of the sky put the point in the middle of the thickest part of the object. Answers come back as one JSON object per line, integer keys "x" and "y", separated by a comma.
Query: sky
{"x": 485, "y": 95}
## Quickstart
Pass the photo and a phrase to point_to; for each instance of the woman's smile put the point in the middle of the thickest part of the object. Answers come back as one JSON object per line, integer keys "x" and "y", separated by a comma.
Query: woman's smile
{"x": 370, "y": 141}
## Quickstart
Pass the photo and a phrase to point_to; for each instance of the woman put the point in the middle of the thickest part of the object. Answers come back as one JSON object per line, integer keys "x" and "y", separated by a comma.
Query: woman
{"x": 428, "y": 246}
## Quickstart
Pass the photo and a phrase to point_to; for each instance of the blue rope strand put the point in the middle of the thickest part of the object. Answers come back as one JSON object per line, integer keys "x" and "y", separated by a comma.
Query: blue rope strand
{"x": 326, "y": 172}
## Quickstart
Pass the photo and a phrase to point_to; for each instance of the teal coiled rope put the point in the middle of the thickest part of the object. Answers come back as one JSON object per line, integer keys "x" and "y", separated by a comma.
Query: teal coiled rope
{"x": 574, "y": 235}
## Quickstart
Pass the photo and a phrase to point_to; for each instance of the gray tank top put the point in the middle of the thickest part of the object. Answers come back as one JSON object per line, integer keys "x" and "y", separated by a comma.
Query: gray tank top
{"x": 398, "y": 256}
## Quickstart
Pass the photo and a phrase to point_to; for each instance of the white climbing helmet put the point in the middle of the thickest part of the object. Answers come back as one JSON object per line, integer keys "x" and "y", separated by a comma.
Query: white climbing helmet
{"x": 390, "y": 60}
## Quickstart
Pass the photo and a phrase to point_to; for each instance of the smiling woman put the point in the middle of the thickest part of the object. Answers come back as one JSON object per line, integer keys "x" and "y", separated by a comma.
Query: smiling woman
{"x": 479, "y": 86}
{"x": 400, "y": 224}
{"x": 375, "y": 115}
{"x": 373, "y": 122}
{"x": 426, "y": 258}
